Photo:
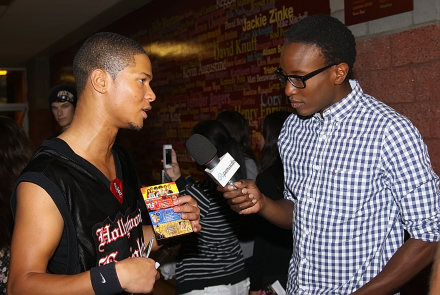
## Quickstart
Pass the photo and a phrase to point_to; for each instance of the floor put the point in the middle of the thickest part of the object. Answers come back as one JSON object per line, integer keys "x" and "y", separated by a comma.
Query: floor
{"x": 164, "y": 287}
{"x": 417, "y": 286}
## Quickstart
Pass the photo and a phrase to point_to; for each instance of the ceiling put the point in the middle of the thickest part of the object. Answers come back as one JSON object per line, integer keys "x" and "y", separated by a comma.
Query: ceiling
{"x": 41, "y": 28}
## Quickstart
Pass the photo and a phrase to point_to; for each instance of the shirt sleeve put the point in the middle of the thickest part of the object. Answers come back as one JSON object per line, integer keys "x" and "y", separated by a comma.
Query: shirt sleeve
{"x": 200, "y": 196}
{"x": 181, "y": 183}
{"x": 414, "y": 185}
{"x": 251, "y": 169}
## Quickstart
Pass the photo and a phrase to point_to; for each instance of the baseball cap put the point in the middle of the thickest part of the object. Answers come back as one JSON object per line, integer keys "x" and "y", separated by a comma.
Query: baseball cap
{"x": 62, "y": 93}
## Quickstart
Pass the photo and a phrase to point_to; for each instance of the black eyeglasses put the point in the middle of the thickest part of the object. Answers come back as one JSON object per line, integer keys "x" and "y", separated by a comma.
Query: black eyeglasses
{"x": 298, "y": 81}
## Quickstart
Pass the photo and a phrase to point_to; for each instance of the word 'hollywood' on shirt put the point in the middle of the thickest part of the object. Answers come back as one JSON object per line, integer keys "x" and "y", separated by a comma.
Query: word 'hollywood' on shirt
{"x": 112, "y": 256}
{"x": 107, "y": 235}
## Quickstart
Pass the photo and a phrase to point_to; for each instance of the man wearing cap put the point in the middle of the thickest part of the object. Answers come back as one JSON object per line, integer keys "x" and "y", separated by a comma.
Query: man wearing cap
{"x": 62, "y": 102}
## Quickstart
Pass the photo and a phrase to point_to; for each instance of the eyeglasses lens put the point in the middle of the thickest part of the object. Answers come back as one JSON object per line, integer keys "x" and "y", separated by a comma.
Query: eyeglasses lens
{"x": 297, "y": 82}
{"x": 283, "y": 79}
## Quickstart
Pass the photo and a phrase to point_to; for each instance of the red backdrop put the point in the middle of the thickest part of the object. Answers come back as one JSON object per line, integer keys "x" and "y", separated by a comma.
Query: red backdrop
{"x": 207, "y": 56}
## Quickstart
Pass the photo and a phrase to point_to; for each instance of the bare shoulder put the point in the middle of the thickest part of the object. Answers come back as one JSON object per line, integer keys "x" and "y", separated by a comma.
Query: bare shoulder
{"x": 33, "y": 200}
{"x": 38, "y": 228}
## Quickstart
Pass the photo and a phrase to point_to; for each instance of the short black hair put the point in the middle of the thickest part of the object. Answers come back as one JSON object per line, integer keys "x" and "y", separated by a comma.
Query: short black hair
{"x": 107, "y": 51}
{"x": 336, "y": 41}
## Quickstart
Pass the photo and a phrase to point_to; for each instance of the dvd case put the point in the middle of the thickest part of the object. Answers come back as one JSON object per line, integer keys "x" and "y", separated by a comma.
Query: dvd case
{"x": 159, "y": 201}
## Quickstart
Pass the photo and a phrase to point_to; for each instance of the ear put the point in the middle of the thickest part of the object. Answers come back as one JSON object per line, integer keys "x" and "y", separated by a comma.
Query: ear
{"x": 99, "y": 80}
{"x": 341, "y": 73}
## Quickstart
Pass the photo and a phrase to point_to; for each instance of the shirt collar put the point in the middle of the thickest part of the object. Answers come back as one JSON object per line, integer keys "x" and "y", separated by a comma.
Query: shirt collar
{"x": 345, "y": 106}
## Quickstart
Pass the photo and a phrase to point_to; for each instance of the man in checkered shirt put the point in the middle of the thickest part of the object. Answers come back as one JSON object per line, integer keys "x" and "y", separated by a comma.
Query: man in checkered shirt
{"x": 357, "y": 174}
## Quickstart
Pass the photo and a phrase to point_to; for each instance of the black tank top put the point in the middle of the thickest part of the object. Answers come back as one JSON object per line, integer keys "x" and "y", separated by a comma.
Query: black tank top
{"x": 98, "y": 229}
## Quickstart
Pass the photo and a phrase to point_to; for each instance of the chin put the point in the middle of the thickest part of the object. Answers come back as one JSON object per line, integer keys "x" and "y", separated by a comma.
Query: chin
{"x": 135, "y": 127}
{"x": 306, "y": 114}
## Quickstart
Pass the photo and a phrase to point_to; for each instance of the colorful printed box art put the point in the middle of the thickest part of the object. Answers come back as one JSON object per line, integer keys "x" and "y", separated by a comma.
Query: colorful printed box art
{"x": 159, "y": 201}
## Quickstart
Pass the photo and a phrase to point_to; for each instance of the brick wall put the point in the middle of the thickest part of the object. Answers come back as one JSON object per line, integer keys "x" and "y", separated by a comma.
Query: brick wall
{"x": 398, "y": 63}
{"x": 403, "y": 71}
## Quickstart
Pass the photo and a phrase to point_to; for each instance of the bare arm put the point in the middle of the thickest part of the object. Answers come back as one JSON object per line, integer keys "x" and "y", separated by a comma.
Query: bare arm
{"x": 435, "y": 277}
{"x": 37, "y": 233}
{"x": 409, "y": 260}
{"x": 148, "y": 233}
{"x": 247, "y": 199}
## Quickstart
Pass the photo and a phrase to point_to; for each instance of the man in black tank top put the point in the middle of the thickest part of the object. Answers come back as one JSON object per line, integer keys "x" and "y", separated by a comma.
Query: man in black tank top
{"x": 78, "y": 208}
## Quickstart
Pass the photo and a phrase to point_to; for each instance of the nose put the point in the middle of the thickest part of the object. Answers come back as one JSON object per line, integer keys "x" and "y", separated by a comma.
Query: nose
{"x": 150, "y": 95}
{"x": 290, "y": 90}
{"x": 59, "y": 112}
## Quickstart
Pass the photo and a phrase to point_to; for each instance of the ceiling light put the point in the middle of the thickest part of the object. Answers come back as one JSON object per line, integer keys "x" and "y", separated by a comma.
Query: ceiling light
{"x": 3, "y": 73}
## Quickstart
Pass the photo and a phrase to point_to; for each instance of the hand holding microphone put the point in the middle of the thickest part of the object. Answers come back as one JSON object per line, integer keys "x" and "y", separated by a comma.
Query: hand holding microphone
{"x": 243, "y": 199}
{"x": 222, "y": 169}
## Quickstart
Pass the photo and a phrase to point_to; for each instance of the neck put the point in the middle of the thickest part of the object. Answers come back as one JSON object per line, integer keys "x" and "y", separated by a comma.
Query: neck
{"x": 90, "y": 136}
{"x": 93, "y": 131}
{"x": 340, "y": 93}
{"x": 64, "y": 128}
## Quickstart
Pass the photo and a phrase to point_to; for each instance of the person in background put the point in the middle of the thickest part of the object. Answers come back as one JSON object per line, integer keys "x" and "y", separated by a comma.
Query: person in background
{"x": 273, "y": 245}
{"x": 239, "y": 129}
{"x": 15, "y": 152}
{"x": 80, "y": 218}
{"x": 357, "y": 174}
{"x": 62, "y": 102}
{"x": 211, "y": 261}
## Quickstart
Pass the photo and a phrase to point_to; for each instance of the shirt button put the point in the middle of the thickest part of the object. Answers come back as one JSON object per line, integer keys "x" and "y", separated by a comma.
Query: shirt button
{"x": 316, "y": 167}
{"x": 323, "y": 137}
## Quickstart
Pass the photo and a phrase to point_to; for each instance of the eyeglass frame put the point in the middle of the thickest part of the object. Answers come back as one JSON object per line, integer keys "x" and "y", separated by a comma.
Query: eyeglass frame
{"x": 278, "y": 72}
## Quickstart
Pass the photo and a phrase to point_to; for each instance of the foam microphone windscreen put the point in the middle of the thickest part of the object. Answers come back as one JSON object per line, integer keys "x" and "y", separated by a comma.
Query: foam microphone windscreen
{"x": 201, "y": 149}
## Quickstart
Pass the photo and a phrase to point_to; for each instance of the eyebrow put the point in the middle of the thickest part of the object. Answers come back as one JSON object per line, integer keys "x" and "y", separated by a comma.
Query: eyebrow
{"x": 148, "y": 75}
{"x": 61, "y": 103}
{"x": 296, "y": 73}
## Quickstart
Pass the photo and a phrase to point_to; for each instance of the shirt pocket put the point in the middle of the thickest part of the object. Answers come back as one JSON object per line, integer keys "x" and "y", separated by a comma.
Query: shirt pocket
{"x": 346, "y": 192}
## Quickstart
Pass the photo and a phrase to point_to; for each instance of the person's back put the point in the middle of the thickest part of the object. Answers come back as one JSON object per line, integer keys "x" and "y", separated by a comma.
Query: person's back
{"x": 15, "y": 152}
{"x": 273, "y": 245}
{"x": 213, "y": 257}
{"x": 212, "y": 260}
{"x": 239, "y": 130}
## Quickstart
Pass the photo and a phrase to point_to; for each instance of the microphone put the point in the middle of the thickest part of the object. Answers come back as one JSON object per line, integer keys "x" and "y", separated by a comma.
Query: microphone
{"x": 222, "y": 169}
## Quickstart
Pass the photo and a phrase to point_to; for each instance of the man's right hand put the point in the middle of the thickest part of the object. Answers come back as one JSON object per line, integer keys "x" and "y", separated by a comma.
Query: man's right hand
{"x": 137, "y": 275}
{"x": 246, "y": 199}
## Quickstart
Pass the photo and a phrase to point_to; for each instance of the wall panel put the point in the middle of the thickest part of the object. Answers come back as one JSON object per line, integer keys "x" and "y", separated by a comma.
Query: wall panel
{"x": 207, "y": 56}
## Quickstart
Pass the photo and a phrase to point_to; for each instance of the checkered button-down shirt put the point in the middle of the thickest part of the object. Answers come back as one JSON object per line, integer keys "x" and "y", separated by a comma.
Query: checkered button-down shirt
{"x": 358, "y": 177}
